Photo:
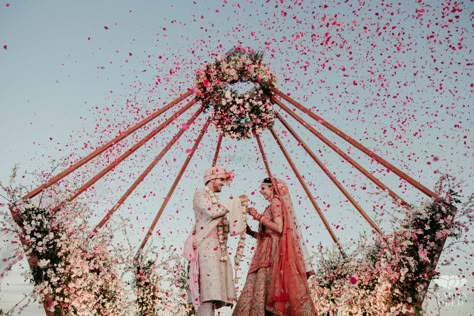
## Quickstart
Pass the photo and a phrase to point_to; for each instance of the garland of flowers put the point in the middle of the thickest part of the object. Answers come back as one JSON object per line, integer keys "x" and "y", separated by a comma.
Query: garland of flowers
{"x": 240, "y": 116}
{"x": 390, "y": 277}
{"x": 241, "y": 245}
{"x": 223, "y": 227}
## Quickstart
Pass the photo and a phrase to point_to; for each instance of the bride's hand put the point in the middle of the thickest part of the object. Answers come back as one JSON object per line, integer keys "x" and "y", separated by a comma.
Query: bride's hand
{"x": 253, "y": 212}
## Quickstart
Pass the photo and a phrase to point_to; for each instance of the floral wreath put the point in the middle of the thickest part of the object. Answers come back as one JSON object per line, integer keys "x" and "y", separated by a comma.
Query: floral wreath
{"x": 238, "y": 115}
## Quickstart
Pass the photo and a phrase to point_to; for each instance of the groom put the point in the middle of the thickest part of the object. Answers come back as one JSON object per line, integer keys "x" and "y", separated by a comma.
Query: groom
{"x": 211, "y": 282}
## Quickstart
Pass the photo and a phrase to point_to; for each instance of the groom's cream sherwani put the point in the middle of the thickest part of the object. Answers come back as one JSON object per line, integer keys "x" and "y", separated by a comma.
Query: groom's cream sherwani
{"x": 215, "y": 276}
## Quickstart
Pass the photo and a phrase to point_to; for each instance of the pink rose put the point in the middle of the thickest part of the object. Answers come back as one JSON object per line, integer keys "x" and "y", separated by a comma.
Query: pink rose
{"x": 352, "y": 279}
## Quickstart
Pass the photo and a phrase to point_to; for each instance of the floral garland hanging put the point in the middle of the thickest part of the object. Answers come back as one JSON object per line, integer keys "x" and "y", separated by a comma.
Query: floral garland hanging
{"x": 241, "y": 245}
{"x": 237, "y": 115}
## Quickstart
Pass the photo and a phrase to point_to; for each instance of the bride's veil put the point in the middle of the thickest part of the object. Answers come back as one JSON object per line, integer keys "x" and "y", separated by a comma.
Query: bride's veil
{"x": 289, "y": 289}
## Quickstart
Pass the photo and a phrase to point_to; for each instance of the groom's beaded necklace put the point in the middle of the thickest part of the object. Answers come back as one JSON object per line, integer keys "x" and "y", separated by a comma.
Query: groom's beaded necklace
{"x": 212, "y": 194}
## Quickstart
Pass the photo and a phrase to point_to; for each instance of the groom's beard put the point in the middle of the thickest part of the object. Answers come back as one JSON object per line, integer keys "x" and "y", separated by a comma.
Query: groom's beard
{"x": 217, "y": 188}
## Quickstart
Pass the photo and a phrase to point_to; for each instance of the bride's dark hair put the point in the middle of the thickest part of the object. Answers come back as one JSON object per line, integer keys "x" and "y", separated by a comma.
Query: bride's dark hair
{"x": 267, "y": 181}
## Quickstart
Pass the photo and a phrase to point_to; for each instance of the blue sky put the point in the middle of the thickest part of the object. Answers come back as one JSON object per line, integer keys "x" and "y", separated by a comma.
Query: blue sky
{"x": 396, "y": 78}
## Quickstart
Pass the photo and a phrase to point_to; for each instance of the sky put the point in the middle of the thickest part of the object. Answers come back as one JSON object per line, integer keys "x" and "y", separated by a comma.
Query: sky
{"x": 395, "y": 77}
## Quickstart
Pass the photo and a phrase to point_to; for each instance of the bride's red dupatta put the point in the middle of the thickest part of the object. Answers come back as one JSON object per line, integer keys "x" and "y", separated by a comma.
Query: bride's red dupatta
{"x": 289, "y": 293}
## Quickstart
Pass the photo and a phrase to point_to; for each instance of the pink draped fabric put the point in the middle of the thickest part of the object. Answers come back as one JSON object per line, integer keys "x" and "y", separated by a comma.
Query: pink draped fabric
{"x": 289, "y": 290}
{"x": 191, "y": 254}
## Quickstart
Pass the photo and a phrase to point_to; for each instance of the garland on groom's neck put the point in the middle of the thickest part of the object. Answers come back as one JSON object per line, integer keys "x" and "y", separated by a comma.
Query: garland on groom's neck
{"x": 222, "y": 227}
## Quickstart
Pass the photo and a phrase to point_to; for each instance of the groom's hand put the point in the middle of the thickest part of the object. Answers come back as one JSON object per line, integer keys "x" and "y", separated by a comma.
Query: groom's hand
{"x": 250, "y": 232}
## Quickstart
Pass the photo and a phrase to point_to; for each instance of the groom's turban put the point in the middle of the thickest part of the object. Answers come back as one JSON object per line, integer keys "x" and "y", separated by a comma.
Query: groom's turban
{"x": 218, "y": 172}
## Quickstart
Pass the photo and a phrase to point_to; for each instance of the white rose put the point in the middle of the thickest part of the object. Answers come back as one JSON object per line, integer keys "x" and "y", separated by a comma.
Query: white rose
{"x": 43, "y": 263}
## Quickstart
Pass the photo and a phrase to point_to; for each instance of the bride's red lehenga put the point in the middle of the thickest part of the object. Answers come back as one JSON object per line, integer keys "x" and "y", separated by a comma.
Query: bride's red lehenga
{"x": 276, "y": 282}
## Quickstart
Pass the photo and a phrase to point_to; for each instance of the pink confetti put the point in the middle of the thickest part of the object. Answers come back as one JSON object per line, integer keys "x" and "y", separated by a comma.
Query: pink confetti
{"x": 366, "y": 69}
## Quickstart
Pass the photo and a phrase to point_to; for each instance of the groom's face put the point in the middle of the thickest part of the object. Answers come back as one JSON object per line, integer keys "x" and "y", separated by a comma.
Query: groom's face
{"x": 218, "y": 184}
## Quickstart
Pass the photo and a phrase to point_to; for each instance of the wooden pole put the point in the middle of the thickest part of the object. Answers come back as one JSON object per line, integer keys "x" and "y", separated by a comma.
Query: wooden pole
{"x": 306, "y": 189}
{"x": 341, "y": 153}
{"x": 264, "y": 157}
{"x": 218, "y": 148}
{"x": 329, "y": 174}
{"x": 173, "y": 187}
{"x": 104, "y": 147}
{"x": 147, "y": 170}
{"x": 359, "y": 146}
{"x": 126, "y": 154}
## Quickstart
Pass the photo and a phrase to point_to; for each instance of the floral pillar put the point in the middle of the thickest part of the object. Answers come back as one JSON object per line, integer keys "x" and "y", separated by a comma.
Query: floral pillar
{"x": 33, "y": 261}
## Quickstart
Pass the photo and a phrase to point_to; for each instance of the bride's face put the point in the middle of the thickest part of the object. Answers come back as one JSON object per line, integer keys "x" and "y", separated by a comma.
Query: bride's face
{"x": 267, "y": 191}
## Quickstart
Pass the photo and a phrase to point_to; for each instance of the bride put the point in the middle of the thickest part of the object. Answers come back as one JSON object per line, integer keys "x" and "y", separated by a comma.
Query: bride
{"x": 277, "y": 279}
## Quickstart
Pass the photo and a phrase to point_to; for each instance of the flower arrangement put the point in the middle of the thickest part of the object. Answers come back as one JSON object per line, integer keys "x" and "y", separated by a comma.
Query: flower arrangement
{"x": 390, "y": 277}
{"x": 175, "y": 271}
{"x": 146, "y": 284}
{"x": 72, "y": 273}
{"x": 237, "y": 115}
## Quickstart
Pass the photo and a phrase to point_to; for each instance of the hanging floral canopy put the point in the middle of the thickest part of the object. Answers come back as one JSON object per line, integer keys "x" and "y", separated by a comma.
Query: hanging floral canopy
{"x": 238, "y": 115}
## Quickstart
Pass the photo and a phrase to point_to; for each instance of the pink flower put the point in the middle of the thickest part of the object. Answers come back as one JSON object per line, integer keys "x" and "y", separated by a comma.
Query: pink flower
{"x": 352, "y": 279}
{"x": 423, "y": 253}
